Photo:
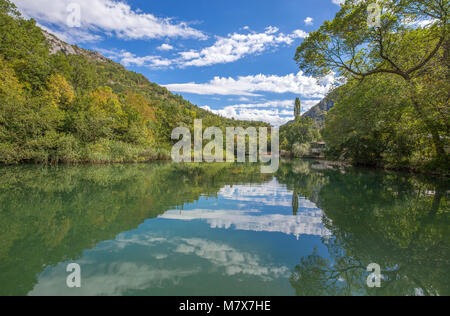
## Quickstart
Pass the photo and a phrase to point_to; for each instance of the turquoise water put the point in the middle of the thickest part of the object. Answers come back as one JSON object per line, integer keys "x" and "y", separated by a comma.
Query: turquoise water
{"x": 221, "y": 229}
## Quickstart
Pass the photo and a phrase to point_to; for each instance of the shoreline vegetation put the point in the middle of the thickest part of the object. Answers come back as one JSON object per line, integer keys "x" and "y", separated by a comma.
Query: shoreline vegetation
{"x": 391, "y": 107}
{"x": 60, "y": 104}
{"x": 63, "y": 104}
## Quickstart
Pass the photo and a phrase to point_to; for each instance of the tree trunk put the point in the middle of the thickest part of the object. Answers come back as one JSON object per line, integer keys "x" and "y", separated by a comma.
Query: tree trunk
{"x": 438, "y": 144}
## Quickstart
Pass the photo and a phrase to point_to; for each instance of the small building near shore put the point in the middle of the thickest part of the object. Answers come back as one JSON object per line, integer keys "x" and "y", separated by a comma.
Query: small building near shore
{"x": 318, "y": 149}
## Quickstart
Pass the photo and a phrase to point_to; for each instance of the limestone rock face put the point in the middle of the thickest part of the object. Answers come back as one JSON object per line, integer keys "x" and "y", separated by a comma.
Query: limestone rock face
{"x": 57, "y": 45}
{"x": 319, "y": 111}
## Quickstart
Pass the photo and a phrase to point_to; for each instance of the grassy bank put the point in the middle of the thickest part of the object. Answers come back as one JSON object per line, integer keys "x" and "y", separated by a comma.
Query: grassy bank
{"x": 67, "y": 150}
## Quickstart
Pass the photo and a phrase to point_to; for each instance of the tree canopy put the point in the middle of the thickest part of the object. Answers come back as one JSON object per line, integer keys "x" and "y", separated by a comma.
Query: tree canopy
{"x": 409, "y": 49}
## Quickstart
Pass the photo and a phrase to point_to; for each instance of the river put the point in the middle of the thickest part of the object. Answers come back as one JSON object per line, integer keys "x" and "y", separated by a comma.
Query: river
{"x": 222, "y": 229}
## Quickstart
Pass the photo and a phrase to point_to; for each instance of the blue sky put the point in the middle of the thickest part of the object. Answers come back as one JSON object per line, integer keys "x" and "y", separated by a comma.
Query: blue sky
{"x": 232, "y": 57}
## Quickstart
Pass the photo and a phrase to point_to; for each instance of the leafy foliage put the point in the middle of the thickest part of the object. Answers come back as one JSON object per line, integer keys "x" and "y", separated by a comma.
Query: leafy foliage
{"x": 393, "y": 110}
{"x": 81, "y": 107}
{"x": 300, "y": 131}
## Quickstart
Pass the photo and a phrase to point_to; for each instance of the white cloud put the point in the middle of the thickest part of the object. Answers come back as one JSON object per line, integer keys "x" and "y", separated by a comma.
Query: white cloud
{"x": 300, "y": 84}
{"x": 309, "y": 21}
{"x": 226, "y": 49}
{"x": 236, "y": 46}
{"x": 272, "y": 30}
{"x": 128, "y": 59}
{"x": 165, "y": 47}
{"x": 75, "y": 36}
{"x": 232, "y": 48}
{"x": 276, "y": 113}
{"x": 108, "y": 17}
{"x": 274, "y": 117}
{"x": 338, "y": 2}
{"x": 233, "y": 261}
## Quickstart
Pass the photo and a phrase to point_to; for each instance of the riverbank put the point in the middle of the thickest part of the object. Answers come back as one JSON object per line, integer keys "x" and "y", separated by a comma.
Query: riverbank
{"x": 113, "y": 152}
{"x": 431, "y": 169}
{"x": 101, "y": 152}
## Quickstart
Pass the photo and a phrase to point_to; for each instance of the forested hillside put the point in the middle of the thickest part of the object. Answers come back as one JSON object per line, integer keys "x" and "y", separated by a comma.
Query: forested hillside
{"x": 61, "y": 103}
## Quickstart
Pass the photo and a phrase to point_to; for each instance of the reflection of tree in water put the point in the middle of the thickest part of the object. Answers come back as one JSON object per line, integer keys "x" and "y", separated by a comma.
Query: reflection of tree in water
{"x": 395, "y": 220}
{"x": 298, "y": 177}
{"x": 317, "y": 276}
{"x": 51, "y": 215}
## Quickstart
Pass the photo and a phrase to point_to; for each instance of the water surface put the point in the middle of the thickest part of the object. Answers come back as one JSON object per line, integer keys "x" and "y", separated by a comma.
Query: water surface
{"x": 222, "y": 229}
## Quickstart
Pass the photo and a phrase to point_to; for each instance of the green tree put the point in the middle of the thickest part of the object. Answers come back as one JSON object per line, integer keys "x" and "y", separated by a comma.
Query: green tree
{"x": 301, "y": 131}
{"x": 399, "y": 47}
{"x": 81, "y": 107}
{"x": 298, "y": 108}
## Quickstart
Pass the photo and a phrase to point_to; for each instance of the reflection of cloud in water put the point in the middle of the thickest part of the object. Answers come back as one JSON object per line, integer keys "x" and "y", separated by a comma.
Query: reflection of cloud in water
{"x": 115, "y": 279}
{"x": 118, "y": 278}
{"x": 161, "y": 251}
{"x": 308, "y": 222}
{"x": 221, "y": 255}
{"x": 148, "y": 241}
{"x": 271, "y": 193}
{"x": 233, "y": 261}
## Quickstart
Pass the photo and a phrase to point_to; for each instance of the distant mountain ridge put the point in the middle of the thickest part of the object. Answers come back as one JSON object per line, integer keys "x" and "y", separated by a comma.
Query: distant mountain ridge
{"x": 319, "y": 111}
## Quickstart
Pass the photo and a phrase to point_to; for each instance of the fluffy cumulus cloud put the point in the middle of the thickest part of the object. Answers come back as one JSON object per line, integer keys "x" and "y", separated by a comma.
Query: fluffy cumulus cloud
{"x": 309, "y": 21}
{"x": 227, "y": 49}
{"x": 275, "y": 117}
{"x": 276, "y": 113}
{"x": 235, "y": 46}
{"x": 106, "y": 17}
{"x": 300, "y": 84}
{"x": 165, "y": 47}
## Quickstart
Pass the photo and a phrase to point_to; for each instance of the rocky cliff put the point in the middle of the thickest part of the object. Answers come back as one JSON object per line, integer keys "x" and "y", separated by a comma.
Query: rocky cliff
{"x": 319, "y": 111}
{"x": 57, "y": 45}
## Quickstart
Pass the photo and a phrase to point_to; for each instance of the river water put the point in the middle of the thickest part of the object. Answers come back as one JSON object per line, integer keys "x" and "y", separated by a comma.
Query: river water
{"x": 222, "y": 229}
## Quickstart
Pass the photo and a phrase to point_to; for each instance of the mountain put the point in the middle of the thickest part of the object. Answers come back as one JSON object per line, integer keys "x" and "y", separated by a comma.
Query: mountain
{"x": 319, "y": 111}
{"x": 57, "y": 46}
{"x": 121, "y": 80}
{"x": 62, "y": 103}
